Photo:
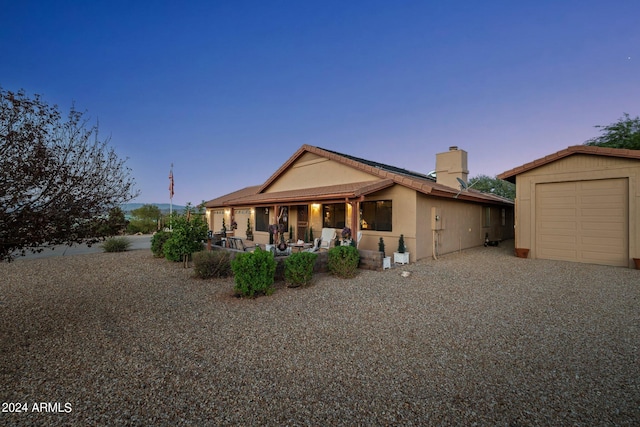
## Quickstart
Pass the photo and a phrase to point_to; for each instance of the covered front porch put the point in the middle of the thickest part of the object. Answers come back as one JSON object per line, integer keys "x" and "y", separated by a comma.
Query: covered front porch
{"x": 300, "y": 221}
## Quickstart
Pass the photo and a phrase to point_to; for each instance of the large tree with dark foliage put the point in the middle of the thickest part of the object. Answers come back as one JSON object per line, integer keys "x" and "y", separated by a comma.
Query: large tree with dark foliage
{"x": 496, "y": 186}
{"x": 625, "y": 133}
{"x": 58, "y": 180}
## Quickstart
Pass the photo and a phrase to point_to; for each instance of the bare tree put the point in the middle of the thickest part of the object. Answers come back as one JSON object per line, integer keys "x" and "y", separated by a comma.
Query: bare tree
{"x": 58, "y": 180}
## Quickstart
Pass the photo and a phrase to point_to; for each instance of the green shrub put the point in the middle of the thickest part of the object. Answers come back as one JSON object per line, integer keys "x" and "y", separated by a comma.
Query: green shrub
{"x": 298, "y": 268}
{"x": 254, "y": 273}
{"x": 116, "y": 244}
{"x": 209, "y": 264}
{"x": 173, "y": 249}
{"x": 157, "y": 243}
{"x": 189, "y": 231}
{"x": 133, "y": 228}
{"x": 343, "y": 261}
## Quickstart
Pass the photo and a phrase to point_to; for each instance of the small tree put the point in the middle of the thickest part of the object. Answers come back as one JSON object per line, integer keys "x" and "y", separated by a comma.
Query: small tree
{"x": 146, "y": 218}
{"x": 189, "y": 231}
{"x": 381, "y": 247}
{"x": 401, "y": 247}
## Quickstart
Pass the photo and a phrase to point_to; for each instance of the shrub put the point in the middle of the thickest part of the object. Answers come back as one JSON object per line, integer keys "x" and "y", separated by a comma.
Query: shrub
{"x": 133, "y": 228}
{"x": 381, "y": 247}
{"x": 343, "y": 261}
{"x": 254, "y": 273}
{"x": 157, "y": 243}
{"x": 207, "y": 264}
{"x": 298, "y": 268}
{"x": 189, "y": 231}
{"x": 116, "y": 244}
{"x": 401, "y": 247}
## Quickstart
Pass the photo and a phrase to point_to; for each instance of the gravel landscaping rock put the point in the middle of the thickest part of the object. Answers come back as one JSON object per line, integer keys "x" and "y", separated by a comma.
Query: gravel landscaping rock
{"x": 475, "y": 338}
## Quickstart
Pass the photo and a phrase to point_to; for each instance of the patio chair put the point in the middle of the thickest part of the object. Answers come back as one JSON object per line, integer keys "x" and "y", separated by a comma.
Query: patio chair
{"x": 327, "y": 238}
{"x": 238, "y": 243}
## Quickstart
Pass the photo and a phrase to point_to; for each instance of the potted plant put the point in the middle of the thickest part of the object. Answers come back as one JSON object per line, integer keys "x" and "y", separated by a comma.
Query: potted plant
{"x": 386, "y": 260}
{"x": 224, "y": 228}
{"x": 402, "y": 256}
{"x": 346, "y": 236}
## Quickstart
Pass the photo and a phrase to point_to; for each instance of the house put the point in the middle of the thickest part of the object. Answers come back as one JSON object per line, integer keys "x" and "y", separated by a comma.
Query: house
{"x": 318, "y": 188}
{"x": 579, "y": 204}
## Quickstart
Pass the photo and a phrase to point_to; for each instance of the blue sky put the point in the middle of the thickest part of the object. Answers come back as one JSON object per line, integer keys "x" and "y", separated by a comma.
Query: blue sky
{"x": 228, "y": 91}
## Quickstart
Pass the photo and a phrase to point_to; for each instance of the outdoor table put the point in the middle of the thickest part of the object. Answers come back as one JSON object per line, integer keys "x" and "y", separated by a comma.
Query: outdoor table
{"x": 300, "y": 246}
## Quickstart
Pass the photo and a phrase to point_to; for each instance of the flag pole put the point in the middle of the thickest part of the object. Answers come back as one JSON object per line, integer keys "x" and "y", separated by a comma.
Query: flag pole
{"x": 171, "y": 198}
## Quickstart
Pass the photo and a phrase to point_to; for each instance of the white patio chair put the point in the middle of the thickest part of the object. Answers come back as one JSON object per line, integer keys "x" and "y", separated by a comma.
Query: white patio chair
{"x": 327, "y": 237}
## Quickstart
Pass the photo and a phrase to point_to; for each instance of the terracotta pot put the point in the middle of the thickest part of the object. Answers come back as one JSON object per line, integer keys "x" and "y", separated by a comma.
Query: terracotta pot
{"x": 522, "y": 252}
{"x": 637, "y": 261}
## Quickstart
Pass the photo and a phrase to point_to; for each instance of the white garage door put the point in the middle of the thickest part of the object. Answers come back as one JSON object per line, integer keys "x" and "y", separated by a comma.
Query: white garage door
{"x": 583, "y": 221}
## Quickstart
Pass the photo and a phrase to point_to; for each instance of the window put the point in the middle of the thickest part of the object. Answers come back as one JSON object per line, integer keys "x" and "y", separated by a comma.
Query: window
{"x": 376, "y": 215}
{"x": 334, "y": 215}
{"x": 487, "y": 217}
{"x": 262, "y": 219}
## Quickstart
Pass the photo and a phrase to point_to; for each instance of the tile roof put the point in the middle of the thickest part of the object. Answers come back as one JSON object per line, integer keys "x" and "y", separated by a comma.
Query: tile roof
{"x": 510, "y": 175}
{"x": 389, "y": 175}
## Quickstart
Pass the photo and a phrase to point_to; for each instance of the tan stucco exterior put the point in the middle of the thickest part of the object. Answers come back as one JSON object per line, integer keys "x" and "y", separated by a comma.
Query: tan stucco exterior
{"x": 313, "y": 177}
{"x": 312, "y": 170}
{"x": 579, "y": 167}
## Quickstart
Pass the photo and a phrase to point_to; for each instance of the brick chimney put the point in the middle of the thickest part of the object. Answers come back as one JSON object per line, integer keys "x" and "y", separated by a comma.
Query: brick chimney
{"x": 450, "y": 165}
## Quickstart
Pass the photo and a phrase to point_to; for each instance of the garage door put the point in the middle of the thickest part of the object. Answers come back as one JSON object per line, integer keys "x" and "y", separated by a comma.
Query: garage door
{"x": 583, "y": 221}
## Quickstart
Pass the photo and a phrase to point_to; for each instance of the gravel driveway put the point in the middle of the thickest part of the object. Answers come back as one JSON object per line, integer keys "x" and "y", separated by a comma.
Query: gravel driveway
{"x": 479, "y": 337}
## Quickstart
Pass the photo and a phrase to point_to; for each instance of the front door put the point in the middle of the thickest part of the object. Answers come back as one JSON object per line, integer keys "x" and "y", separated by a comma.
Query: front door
{"x": 303, "y": 221}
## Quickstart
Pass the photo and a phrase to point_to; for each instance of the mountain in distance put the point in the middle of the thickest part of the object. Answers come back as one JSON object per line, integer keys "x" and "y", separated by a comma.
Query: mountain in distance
{"x": 164, "y": 207}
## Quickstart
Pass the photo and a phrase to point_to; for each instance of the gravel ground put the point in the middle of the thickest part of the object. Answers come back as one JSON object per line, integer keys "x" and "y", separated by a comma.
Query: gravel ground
{"x": 476, "y": 338}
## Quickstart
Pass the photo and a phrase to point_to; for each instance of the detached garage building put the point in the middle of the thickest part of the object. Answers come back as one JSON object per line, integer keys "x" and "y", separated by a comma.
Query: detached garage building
{"x": 580, "y": 204}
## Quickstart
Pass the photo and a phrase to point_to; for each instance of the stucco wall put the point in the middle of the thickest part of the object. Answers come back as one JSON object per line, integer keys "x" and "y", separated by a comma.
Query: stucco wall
{"x": 311, "y": 170}
{"x": 460, "y": 226}
{"x": 403, "y": 222}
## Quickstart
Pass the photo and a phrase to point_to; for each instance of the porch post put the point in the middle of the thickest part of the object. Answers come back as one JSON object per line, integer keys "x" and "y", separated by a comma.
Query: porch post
{"x": 232, "y": 218}
{"x": 355, "y": 213}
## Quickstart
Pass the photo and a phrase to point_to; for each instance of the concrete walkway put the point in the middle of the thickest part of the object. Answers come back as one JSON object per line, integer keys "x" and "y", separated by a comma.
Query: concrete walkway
{"x": 137, "y": 242}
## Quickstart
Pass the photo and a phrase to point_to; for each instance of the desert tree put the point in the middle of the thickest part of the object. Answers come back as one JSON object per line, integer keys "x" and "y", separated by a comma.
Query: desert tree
{"x": 494, "y": 185}
{"x": 58, "y": 179}
{"x": 145, "y": 219}
{"x": 625, "y": 133}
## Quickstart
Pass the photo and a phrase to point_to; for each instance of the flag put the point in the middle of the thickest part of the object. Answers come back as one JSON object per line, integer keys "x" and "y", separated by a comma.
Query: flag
{"x": 171, "y": 182}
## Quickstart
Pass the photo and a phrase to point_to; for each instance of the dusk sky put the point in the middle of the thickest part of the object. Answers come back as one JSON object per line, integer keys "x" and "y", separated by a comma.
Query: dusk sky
{"x": 228, "y": 91}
